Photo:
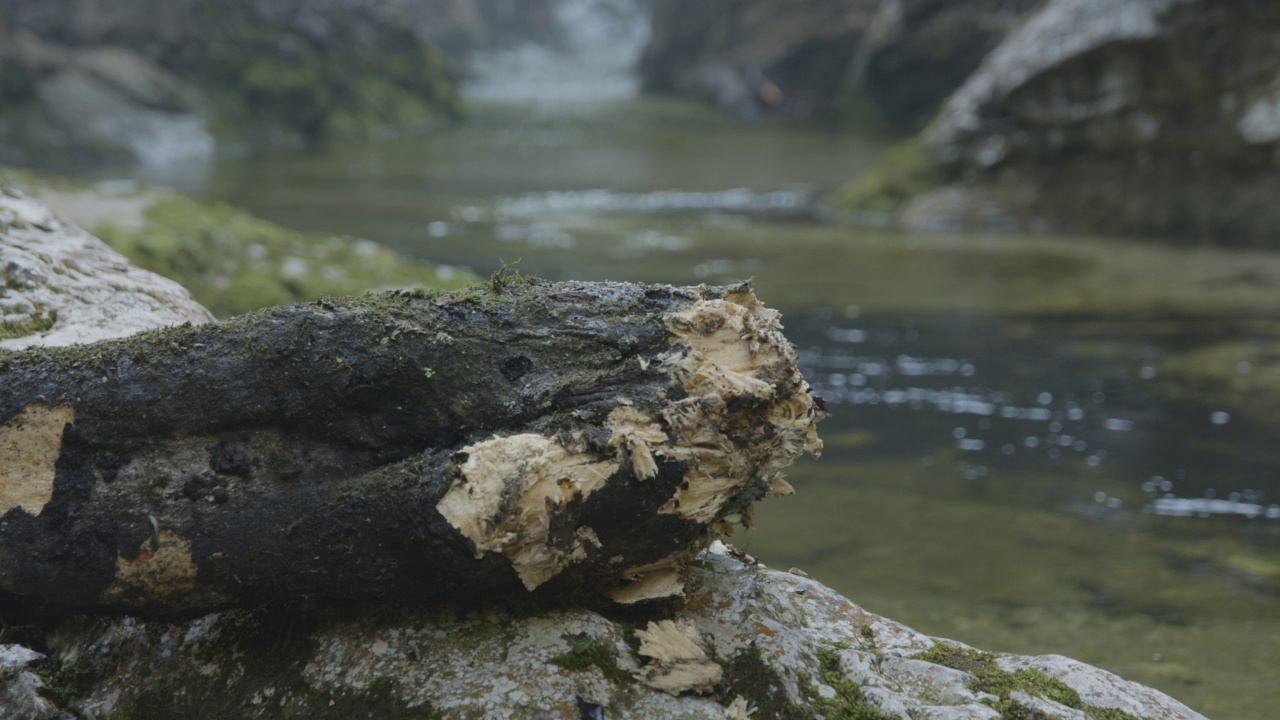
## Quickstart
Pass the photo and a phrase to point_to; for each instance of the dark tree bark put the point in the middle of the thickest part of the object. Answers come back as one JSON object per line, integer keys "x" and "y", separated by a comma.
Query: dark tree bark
{"x": 578, "y": 438}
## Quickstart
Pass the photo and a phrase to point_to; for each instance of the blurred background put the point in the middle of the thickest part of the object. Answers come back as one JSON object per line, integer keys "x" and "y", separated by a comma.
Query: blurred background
{"x": 1027, "y": 249}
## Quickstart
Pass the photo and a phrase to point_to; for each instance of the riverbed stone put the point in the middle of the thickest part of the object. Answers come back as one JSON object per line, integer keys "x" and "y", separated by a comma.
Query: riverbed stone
{"x": 1099, "y": 688}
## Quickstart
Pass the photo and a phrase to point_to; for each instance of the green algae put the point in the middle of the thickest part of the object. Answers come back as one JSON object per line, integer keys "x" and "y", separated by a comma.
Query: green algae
{"x": 232, "y": 262}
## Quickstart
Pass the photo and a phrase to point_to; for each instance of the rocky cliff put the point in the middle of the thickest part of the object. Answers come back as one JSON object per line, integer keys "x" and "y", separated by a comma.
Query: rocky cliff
{"x": 1140, "y": 117}
{"x": 870, "y": 61}
{"x": 1158, "y": 117}
{"x": 167, "y": 82}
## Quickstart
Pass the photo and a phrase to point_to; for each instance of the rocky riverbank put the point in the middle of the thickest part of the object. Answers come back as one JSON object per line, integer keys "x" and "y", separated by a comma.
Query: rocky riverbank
{"x": 1142, "y": 117}
{"x": 744, "y": 641}
{"x": 1146, "y": 117}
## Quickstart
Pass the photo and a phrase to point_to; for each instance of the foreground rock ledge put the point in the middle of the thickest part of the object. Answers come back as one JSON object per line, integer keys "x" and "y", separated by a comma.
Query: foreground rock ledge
{"x": 778, "y": 643}
{"x": 576, "y": 439}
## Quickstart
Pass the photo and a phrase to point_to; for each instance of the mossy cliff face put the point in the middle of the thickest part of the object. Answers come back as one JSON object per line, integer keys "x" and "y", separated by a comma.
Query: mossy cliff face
{"x": 252, "y": 73}
{"x": 270, "y": 82}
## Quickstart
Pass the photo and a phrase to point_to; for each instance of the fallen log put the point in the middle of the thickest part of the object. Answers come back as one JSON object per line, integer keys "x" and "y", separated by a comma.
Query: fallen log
{"x": 581, "y": 439}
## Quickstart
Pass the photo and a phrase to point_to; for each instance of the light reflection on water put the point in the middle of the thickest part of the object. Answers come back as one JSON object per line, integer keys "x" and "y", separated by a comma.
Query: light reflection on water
{"x": 1012, "y": 421}
{"x": 736, "y": 200}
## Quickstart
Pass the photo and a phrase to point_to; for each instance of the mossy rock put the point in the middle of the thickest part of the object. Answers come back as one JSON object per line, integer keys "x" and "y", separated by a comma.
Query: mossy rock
{"x": 268, "y": 86}
{"x": 906, "y": 170}
{"x": 989, "y": 677}
{"x": 233, "y": 262}
{"x": 39, "y": 322}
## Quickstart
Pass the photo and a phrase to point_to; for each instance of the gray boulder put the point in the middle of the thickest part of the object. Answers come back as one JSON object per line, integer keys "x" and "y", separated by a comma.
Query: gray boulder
{"x": 99, "y": 102}
{"x": 1158, "y": 117}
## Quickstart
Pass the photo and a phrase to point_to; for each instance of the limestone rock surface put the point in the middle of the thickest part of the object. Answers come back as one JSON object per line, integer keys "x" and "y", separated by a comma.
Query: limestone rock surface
{"x": 59, "y": 285}
{"x": 786, "y": 646}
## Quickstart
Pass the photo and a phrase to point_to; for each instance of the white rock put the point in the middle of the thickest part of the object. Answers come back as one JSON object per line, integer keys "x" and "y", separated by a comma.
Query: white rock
{"x": 1104, "y": 689}
{"x": 485, "y": 664}
{"x": 20, "y": 688}
{"x": 49, "y": 265}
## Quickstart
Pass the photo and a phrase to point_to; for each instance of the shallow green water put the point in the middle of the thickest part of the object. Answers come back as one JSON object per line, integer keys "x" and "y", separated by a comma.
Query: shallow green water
{"x": 1014, "y": 419}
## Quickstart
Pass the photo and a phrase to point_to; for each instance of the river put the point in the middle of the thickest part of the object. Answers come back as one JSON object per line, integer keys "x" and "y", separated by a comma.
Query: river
{"x": 1036, "y": 445}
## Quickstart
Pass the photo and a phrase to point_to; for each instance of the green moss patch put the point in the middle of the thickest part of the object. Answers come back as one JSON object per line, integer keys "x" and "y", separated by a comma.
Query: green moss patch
{"x": 39, "y": 322}
{"x": 990, "y": 678}
{"x": 588, "y": 653}
{"x": 850, "y": 701}
{"x": 233, "y": 262}
{"x": 749, "y": 676}
{"x": 906, "y": 170}
{"x": 64, "y": 683}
